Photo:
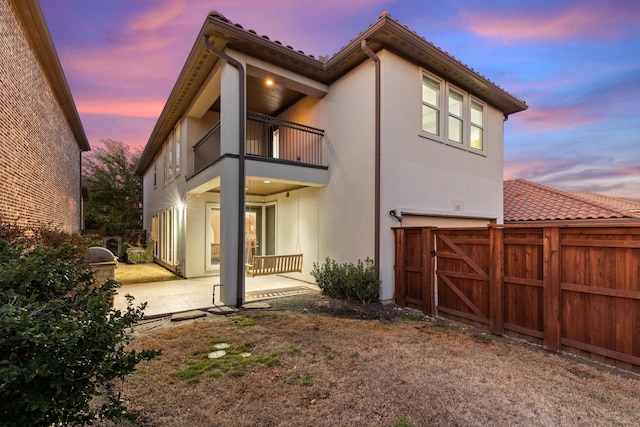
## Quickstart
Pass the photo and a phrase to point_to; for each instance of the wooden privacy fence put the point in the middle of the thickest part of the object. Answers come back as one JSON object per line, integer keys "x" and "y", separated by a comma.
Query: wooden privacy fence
{"x": 572, "y": 288}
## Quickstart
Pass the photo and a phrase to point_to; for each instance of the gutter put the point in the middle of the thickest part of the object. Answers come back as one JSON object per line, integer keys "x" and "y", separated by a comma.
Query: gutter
{"x": 241, "y": 157}
{"x": 376, "y": 60}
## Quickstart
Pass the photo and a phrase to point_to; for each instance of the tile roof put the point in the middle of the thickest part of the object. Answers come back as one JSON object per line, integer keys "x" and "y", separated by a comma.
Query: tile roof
{"x": 528, "y": 201}
{"x": 619, "y": 202}
{"x": 386, "y": 33}
{"x": 214, "y": 14}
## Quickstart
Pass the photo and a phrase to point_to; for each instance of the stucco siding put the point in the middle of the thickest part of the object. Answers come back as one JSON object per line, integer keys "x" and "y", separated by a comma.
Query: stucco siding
{"x": 424, "y": 175}
{"x": 345, "y": 205}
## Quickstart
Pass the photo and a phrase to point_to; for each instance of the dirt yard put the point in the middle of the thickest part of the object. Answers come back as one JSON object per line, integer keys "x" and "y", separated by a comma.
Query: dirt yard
{"x": 313, "y": 361}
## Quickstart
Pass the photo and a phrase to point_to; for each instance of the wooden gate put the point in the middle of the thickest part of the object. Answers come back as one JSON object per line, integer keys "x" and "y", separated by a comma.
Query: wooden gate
{"x": 462, "y": 271}
{"x": 414, "y": 269}
{"x": 567, "y": 287}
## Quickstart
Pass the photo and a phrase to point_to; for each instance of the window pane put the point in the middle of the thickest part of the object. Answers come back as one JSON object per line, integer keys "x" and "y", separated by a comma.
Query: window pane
{"x": 476, "y": 138}
{"x": 430, "y": 120}
{"x": 476, "y": 113}
{"x": 455, "y": 129}
{"x": 430, "y": 91}
{"x": 455, "y": 104}
{"x": 177, "y": 147}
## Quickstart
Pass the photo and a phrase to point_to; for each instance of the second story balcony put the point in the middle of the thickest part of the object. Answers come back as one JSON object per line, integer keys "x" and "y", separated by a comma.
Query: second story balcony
{"x": 269, "y": 139}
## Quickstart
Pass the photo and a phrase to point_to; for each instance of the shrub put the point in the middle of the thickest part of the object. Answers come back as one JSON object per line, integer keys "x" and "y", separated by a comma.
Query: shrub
{"x": 60, "y": 340}
{"x": 139, "y": 255}
{"x": 348, "y": 281}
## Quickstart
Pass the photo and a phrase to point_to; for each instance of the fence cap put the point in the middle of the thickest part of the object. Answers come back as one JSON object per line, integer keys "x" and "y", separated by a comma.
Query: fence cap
{"x": 98, "y": 254}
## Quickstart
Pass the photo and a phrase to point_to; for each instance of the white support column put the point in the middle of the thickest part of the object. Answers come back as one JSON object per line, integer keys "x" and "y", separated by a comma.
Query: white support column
{"x": 229, "y": 223}
{"x": 230, "y": 213}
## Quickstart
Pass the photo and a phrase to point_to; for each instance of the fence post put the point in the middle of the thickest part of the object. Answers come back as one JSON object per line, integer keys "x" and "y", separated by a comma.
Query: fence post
{"x": 551, "y": 289}
{"x": 400, "y": 285}
{"x": 496, "y": 280}
{"x": 428, "y": 288}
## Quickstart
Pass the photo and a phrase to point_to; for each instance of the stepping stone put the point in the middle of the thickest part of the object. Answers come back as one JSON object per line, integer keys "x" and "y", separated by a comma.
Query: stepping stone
{"x": 223, "y": 310}
{"x": 187, "y": 315}
{"x": 256, "y": 305}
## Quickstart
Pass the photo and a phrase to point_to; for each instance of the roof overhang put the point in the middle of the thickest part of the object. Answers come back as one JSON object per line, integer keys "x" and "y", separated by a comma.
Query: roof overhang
{"x": 35, "y": 25}
{"x": 386, "y": 33}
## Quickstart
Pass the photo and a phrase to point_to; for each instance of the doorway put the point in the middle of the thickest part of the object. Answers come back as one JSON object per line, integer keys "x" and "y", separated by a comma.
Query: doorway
{"x": 260, "y": 233}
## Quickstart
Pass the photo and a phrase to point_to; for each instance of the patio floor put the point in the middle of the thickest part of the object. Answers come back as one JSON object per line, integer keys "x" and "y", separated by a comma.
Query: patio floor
{"x": 175, "y": 296}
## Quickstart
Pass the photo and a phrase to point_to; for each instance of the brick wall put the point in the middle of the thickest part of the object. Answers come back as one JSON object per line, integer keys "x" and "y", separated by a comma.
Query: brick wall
{"x": 39, "y": 156}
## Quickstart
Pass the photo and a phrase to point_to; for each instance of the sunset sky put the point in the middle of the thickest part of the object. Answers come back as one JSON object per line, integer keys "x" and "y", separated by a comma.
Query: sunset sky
{"x": 576, "y": 64}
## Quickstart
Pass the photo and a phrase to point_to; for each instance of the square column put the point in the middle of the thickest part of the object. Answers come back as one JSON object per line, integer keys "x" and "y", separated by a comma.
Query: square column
{"x": 232, "y": 184}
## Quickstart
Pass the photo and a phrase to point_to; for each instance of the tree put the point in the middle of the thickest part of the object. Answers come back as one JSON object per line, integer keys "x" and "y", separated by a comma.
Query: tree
{"x": 115, "y": 192}
{"x": 61, "y": 342}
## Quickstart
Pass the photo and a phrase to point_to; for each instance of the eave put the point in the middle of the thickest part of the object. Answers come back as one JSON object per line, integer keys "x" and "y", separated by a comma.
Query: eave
{"x": 386, "y": 33}
{"x": 38, "y": 33}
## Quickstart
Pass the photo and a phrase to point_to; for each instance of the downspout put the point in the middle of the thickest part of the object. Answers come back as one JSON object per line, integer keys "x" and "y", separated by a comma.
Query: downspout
{"x": 81, "y": 201}
{"x": 241, "y": 152}
{"x": 376, "y": 60}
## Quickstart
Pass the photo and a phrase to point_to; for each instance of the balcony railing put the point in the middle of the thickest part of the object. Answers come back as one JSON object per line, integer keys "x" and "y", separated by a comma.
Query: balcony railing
{"x": 207, "y": 150}
{"x": 267, "y": 137}
{"x": 275, "y": 138}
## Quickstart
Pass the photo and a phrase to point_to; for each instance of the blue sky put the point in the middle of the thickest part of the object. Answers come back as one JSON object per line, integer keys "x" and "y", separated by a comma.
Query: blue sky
{"x": 575, "y": 63}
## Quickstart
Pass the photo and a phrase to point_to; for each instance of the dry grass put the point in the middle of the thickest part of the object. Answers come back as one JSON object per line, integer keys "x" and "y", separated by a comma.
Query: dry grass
{"x": 342, "y": 372}
{"x": 142, "y": 273}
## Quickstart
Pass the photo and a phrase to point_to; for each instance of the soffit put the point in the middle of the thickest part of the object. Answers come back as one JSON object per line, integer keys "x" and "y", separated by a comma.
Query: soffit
{"x": 258, "y": 187}
{"x": 386, "y": 33}
{"x": 36, "y": 28}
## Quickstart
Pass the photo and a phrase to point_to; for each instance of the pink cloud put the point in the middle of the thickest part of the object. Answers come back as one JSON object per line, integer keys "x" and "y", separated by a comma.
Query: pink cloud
{"x": 129, "y": 76}
{"x": 138, "y": 109}
{"x": 593, "y": 21}
{"x": 544, "y": 119}
{"x": 158, "y": 17}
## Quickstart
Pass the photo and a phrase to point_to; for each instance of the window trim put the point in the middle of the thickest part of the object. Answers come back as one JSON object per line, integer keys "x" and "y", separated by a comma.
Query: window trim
{"x": 463, "y": 117}
{"x": 483, "y": 104}
{"x": 444, "y": 115}
{"x": 155, "y": 173}
{"x": 177, "y": 145}
{"x": 439, "y": 108}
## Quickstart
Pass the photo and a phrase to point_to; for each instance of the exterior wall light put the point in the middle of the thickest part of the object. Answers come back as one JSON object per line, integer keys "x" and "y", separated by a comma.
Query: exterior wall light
{"x": 395, "y": 214}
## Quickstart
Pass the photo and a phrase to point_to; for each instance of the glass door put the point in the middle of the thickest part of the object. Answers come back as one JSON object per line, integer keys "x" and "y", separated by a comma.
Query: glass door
{"x": 260, "y": 233}
{"x": 253, "y": 232}
{"x": 212, "y": 244}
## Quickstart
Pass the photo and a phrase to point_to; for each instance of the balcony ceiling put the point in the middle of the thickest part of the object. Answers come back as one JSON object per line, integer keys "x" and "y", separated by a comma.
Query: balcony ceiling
{"x": 270, "y": 100}
{"x": 257, "y": 187}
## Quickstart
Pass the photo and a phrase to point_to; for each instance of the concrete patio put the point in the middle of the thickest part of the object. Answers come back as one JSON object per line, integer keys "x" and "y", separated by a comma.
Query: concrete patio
{"x": 175, "y": 296}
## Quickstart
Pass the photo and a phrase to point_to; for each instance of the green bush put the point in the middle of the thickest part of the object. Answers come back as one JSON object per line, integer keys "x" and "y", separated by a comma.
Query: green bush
{"x": 137, "y": 255}
{"x": 61, "y": 342}
{"x": 348, "y": 281}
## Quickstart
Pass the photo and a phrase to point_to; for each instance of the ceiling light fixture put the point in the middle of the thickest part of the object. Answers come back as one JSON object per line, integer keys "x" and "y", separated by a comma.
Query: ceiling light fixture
{"x": 268, "y": 82}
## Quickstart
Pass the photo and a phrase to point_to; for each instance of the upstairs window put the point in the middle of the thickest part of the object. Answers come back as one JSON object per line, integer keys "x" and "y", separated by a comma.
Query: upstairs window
{"x": 455, "y": 125}
{"x": 431, "y": 106}
{"x": 177, "y": 139}
{"x": 170, "y": 148}
{"x": 452, "y": 115}
{"x": 476, "y": 140}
